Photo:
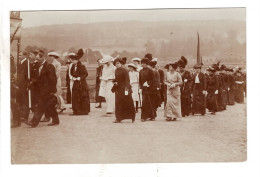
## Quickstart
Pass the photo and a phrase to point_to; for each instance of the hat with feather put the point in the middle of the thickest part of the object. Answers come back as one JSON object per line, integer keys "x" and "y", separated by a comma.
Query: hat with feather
{"x": 182, "y": 62}
{"x": 76, "y": 56}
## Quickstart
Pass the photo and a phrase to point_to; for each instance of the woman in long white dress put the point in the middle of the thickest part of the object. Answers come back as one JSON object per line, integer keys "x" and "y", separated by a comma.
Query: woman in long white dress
{"x": 173, "y": 81}
{"x": 134, "y": 82}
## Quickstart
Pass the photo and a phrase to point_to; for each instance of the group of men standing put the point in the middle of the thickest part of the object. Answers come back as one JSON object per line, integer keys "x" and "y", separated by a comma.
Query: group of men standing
{"x": 37, "y": 87}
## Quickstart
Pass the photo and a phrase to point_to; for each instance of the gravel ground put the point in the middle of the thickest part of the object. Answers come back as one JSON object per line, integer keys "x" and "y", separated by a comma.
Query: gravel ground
{"x": 95, "y": 139}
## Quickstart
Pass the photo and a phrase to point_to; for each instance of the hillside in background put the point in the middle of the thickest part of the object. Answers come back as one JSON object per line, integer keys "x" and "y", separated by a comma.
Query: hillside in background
{"x": 220, "y": 40}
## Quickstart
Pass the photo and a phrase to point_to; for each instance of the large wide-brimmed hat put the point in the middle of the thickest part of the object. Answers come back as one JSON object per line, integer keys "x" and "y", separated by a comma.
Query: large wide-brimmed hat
{"x": 132, "y": 65}
{"x": 106, "y": 59}
{"x": 136, "y": 59}
{"x": 76, "y": 56}
{"x": 55, "y": 54}
{"x": 174, "y": 65}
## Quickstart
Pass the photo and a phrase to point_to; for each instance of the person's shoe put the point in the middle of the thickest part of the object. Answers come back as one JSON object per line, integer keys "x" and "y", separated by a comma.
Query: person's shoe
{"x": 174, "y": 119}
{"x": 53, "y": 124}
{"x": 45, "y": 119}
{"x": 142, "y": 120}
{"x": 116, "y": 121}
{"x": 213, "y": 113}
{"x": 31, "y": 124}
{"x": 168, "y": 119}
{"x": 99, "y": 106}
{"x": 109, "y": 113}
{"x": 61, "y": 111}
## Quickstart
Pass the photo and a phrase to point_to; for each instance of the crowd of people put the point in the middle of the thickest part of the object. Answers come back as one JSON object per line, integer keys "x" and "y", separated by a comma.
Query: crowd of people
{"x": 126, "y": 88}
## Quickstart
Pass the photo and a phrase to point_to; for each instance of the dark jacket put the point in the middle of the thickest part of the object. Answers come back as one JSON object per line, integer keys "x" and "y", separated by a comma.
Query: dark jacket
{"x": 47, "y": 80}
{"x": 202, "y": 85}
{"x": 122, "y": 81}
{"x": 81, "y": 72}
{"x": 146, "y": 75}
{"x": 186, "y": 86}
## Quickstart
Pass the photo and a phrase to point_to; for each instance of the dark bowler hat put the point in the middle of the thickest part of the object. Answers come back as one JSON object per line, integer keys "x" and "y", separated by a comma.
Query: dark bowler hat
{"x": 145, "y": 61}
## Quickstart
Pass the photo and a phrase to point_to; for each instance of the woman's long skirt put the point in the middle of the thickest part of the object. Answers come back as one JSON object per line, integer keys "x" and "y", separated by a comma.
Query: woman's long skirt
{"x": 239, "y": 94}
{"x": 231, "y": 97}
{"x": 80, "y": 100}
{"x": 124, "y": 106}
{"x": 173, "y": 106}
{"x": 148, "y": 108}
{"x": 185, "y": 104}
{"x": 212, "y": 105}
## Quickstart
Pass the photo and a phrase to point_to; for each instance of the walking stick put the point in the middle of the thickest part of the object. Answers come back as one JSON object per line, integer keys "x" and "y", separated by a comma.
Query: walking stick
{"x": 29, "y": 90}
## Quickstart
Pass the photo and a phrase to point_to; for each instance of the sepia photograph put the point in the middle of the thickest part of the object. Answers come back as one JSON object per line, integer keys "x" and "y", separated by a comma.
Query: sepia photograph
{"x": 128, "y": 86}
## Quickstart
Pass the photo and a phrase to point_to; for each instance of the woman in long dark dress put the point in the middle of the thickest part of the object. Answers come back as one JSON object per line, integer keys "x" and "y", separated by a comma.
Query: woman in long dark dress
{"x": 198, "y": 92}
{"x": 124, "y": 105}
{"x": 185, "y": 87}
{"x": 212, "y": 90}
{"x": 80, "y": 91}
{"x": 239, "y": 85}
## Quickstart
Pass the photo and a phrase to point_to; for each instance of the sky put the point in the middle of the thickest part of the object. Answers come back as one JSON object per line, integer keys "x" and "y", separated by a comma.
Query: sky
{"x": 39, "y": 18}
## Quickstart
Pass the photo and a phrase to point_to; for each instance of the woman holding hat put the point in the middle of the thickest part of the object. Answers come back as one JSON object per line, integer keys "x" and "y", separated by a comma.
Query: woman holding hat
{"x": 198, "y": 91}
{"x": 134, "y": 81}
{"x": 173, "y": 81}
{"x": 80, "y": 90}
{"x": 124, "y": 105}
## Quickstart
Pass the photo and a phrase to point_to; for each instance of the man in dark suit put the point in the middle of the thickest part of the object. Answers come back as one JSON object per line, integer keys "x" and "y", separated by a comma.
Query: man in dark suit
{"x": 23, "y": 68}
{"x": 46, "y": 82}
